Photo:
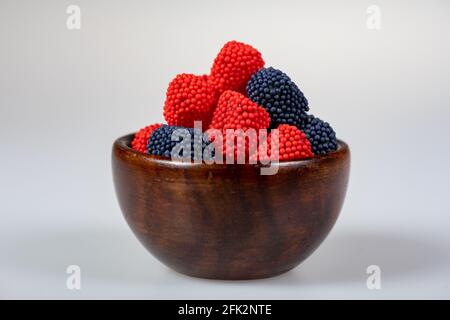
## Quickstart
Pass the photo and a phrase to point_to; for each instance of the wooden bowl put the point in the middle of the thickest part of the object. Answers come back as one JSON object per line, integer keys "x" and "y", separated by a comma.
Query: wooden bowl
{"x": 228, "y": 221}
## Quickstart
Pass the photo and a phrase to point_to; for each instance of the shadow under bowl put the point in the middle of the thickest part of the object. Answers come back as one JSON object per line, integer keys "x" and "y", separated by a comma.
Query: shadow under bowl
{"x": 223, "y": 221}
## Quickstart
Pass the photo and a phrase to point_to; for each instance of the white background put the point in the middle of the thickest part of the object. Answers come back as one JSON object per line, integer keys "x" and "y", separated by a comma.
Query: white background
{"x": 66, "y": 95}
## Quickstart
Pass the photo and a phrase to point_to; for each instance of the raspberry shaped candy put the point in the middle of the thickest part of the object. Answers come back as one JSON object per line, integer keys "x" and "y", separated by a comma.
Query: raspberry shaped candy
{"x": 279, "y": 95}
{"x": 235, "y": 111}
{"x": 292, "y": 145}
{"x": 189, "y": 98}
{"x": 161, "y": 143}
{"x": 234, "y": 65}
{"x": 320, "y": 134}
{"x": 140, "y": 139}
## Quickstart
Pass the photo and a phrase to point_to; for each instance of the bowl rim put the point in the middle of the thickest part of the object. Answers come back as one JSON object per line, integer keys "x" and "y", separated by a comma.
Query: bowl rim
{"x": 123, "y": 144}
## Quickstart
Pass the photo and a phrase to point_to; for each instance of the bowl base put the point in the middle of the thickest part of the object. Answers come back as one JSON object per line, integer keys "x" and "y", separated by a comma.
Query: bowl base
{"x": 235, "y": 277}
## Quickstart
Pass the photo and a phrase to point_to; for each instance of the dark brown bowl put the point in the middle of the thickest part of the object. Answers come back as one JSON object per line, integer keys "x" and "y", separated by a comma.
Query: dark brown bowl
{"x": 229, "y": 221}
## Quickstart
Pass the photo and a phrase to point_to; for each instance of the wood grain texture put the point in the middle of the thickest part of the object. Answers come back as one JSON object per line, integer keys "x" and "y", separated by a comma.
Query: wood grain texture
{"x": 228, "y": 221}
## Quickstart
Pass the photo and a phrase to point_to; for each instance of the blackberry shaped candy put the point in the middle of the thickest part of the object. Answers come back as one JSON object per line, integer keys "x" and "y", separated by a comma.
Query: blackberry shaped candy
{"x": 161, "y": 144}
{"x": 279, "y": 95}
{"x": 320, "y": 134}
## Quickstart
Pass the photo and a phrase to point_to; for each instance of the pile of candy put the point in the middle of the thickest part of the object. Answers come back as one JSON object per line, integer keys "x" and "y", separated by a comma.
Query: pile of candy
{"x": 239, "y": 93}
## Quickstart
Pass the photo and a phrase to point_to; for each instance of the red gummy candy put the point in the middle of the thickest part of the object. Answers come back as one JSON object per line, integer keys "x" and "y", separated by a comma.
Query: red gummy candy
{"x": 234, "y": 65}
{"x": 141, "y": 138}
{"x": 189, "y": 98}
